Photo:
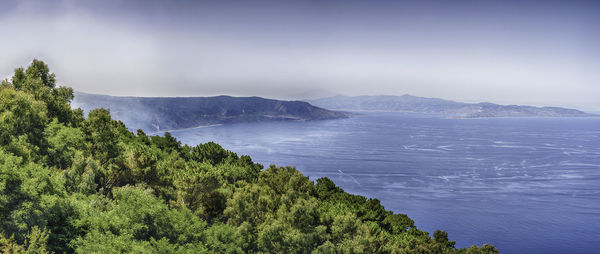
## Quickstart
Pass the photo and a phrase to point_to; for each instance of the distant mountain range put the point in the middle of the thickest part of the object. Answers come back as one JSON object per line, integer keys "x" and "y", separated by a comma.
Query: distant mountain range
{"x": 153, "y": 114}
{"x": 434, "y": 106}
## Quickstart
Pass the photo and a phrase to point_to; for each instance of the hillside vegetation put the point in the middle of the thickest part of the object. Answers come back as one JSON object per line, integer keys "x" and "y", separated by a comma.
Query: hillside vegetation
{"x": 70, "y": 184}
{"x": 169, "y": 113}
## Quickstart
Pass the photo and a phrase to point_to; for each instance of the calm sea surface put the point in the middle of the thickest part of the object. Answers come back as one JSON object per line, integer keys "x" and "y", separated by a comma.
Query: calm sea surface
{"x": 525, "y": 185}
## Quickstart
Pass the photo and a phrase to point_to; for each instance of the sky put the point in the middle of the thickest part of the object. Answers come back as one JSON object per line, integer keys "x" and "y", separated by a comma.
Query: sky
{"x": 509, "y": 52}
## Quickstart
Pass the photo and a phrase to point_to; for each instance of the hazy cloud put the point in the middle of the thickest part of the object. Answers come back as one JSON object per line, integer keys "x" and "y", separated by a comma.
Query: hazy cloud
{"x": 541, "y": 53}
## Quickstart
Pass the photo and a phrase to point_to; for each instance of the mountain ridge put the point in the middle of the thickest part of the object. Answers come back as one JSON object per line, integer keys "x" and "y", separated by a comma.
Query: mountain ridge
{"x": 154, "y": 114}
{"x": 437, "y": 106}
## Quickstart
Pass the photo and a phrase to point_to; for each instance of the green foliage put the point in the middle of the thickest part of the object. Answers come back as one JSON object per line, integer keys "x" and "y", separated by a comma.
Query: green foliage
{"x": 38, "y": 81}
{"x": 103, "y": 136}
{"x": 211, "y": 153}
{"x": 75, "y": 185}
{"x": 165, "y": 143}
{"x": 63, "y": 142}
{"x": 21, "y": 117}
{"x": 35, "y": 243}
{"x": 222, "y": 238}
{"x": 38, "y": 70}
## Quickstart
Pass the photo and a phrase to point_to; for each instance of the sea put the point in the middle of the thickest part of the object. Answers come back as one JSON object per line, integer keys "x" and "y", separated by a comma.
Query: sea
{"x": 525, "y": 185}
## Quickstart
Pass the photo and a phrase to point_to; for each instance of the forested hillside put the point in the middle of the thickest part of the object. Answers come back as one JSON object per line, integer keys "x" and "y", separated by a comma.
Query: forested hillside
{"x": 153, "y": 114}
{"x": 88, "y": 185}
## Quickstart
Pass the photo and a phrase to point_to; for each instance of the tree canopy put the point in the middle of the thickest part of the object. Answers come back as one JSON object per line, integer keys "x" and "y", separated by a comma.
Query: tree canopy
{"x": 75, "y": 184}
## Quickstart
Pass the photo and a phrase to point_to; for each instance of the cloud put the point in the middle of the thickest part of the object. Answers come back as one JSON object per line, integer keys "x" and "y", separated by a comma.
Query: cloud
{"x": 145, "y": 48}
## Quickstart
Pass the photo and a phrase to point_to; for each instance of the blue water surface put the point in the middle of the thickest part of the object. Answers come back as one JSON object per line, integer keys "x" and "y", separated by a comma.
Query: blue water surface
{"x": 525, "y": 185}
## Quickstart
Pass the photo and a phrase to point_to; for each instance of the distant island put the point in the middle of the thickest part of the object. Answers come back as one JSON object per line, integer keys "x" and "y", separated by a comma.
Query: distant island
{"x": 168, "y": 113}
{"x": 435, "y": 106}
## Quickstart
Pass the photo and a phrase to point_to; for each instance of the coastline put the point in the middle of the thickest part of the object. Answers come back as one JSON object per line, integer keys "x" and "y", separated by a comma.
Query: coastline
{"x": 183, "y": 129}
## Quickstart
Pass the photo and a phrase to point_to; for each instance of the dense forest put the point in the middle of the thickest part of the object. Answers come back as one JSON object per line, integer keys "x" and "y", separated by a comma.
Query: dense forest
{"x": 70, "y": 183}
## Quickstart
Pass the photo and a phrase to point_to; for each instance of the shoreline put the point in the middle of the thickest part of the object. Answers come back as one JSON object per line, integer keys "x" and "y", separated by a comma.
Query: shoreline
{"x": 188, "y": 128}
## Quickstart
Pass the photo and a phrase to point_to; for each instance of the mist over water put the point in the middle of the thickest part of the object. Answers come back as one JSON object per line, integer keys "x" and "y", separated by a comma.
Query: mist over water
{"x": 521, "y": 184}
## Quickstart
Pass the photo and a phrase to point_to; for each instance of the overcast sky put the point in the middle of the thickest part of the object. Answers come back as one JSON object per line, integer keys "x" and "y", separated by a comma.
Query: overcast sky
{"x": 509, "y": 52}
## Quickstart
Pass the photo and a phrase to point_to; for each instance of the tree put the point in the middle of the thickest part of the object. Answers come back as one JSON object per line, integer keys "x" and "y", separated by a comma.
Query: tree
{"x": 18, "y": 79}
{"x": 38, "y": 81}
{"x": 21, "y": 115}
{"x": 441, "y": 237}
{"x": 63, "y": 142}
{"x": 101, "y": 132}
{"x": 38, "y": 70}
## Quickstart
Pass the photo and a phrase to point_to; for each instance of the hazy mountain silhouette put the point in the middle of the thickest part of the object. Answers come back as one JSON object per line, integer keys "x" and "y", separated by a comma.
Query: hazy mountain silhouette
{"x": 409, "y": 103}
{"x": 168, "y": 113}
